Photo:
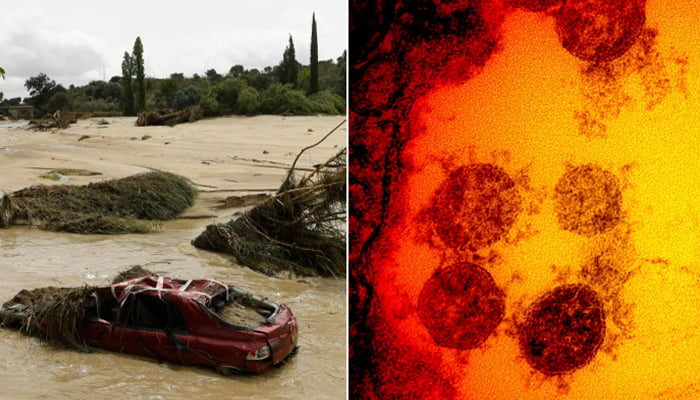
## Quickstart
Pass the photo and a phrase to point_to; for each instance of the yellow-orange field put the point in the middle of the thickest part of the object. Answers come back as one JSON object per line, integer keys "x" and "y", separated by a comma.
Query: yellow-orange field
{"x": 534, "y": 111}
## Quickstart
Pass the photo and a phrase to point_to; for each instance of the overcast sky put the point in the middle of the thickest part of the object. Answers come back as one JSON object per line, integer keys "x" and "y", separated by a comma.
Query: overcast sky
{"x": 75, "y": 42}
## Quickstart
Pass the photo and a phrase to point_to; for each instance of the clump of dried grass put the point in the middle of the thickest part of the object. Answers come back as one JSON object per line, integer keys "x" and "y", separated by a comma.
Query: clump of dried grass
{"x": 299, "y": 230}
{"x": 242, "y": 201}
{"x": 133, "y": 272}
{"x": 53, "y": 314}
{"x": 240, "y": 313}
{"x": 129, "y": 205}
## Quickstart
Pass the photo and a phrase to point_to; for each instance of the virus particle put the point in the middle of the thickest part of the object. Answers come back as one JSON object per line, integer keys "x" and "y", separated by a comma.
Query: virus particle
{"x": 563, "y": 329}
{"x": 599, "y": 30}
{"x": 588, "y": 200}
{"x": 474, "y": 207}
{"x": 461, "y": 306}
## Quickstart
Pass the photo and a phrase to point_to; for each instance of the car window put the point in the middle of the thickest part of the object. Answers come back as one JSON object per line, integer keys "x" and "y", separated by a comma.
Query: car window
{"x": 140, "y": 311}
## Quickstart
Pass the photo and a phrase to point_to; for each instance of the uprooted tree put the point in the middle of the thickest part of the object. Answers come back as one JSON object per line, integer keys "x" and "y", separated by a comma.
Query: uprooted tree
{"x": 300, "y": 230}
{"x": 169, "y": 117}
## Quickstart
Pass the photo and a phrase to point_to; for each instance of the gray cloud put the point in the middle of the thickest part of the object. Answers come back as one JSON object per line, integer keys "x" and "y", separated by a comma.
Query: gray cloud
{"x": 31, "y": 53}
{"x": 66, "y": 56}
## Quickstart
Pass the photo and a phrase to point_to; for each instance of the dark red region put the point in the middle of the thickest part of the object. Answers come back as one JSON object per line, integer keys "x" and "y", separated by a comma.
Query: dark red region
{"x": 599, "y": 30}
{"x": 405, "y": 369}
{"x": 461, "y": 306}
{"x": 446, "y": 42}
{"x": 474, "y": 207}
{"x": 563, "y": 330}
{"x": 534, "y": 5}
{"x": 393, "y": 62}
{"x": 588, "y": 200}
{"x": 369, "y": 30}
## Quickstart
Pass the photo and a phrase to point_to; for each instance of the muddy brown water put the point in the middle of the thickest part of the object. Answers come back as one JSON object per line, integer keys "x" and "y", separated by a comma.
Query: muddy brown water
{"x": 31, "y": 369}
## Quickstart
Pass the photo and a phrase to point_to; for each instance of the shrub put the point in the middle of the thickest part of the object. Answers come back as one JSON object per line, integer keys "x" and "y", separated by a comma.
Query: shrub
{"x": 282, "y": 99}
{"x": 248, "y": 101}
{"x": 80, "y": 104}
{"x": 186, "y": 97}
{"x": 226, "y": 94}
{"x": 209, "y": 106}
{"x": 327, "y": 102}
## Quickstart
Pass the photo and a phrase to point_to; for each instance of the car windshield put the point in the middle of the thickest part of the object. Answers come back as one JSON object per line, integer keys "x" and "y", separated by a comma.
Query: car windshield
{"x": 150, "y": 312}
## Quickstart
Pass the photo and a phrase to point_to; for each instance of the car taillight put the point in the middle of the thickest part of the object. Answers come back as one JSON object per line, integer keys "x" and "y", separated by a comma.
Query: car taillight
{"x": 259, "y": 354}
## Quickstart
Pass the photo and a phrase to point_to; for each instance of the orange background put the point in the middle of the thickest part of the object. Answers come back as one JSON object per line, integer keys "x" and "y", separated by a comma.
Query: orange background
{"x": 530, "y": 111}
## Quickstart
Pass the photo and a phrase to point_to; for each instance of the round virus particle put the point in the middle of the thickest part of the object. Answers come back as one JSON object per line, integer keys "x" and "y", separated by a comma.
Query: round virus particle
{"x": 599, "y": 30}
{"x": 587, "y": 200}
{"x": 461, "y": 306}
{"x": 475, "y": 206}
{"x": 563, "y": 329}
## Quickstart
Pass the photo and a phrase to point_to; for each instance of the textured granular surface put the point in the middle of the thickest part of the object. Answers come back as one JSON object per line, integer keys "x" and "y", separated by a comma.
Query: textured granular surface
{"x": 599, "y": 30}
{"x": 588, "y": 200}
{"x": 474, "y": 207}
{"x": 563, "y": 329}
{"x": 461, "y": 306}
{"x": 535, "y": 5}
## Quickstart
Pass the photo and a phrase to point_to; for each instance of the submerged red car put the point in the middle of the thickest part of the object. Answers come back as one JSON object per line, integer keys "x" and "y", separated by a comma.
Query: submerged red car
{"x": 190, "y": 322}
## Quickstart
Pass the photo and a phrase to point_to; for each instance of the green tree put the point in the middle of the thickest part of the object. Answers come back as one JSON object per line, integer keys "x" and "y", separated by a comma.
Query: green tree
{"x": 342, "y": 63}
{"x": 127, "y": 90}
{"x": 59, "y": 101}
{"x": 248, "y": 101}
{"x": 257, "y": 80}
{"x": 103, "y": 90}
{"x": 226, "y": 94}
{"x": 213, "y": 76}
{"x": 289, "y": 67}
{"x": 283, "y": 99}
{"x": 236, "y": 71}
{"x": 2, "y": 73}
{"x": 186, "y": 97}
{"x": 140, "y": 83}
{"x": 313, "y": 83}
{"x": 209, "y": 106}
{"x": 41, "y": 88}
{"x": 166, "y": 91}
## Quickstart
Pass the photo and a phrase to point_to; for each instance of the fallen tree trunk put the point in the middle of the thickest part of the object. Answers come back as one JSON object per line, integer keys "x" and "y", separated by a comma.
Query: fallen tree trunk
{"x": 57, "y": 120}
{"x": 169, "y": 117}
{"x": 300, "y": 230}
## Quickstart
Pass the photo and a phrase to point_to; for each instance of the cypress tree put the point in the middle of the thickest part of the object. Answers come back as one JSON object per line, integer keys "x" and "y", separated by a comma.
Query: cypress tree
{"x": 289, "y": 69}
{"x": 127, "y": 92}
{"x": 313, "y": 84}
{"x": 140, "y": 83}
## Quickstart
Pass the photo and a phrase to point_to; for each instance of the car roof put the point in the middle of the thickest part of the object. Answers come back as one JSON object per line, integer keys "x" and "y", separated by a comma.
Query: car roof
{"x": 200, "y": 290}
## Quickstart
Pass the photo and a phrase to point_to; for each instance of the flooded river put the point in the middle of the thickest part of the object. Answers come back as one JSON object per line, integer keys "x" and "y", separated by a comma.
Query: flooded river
{"x": 30, "y": 369}
{"x": 223, "y": 156}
